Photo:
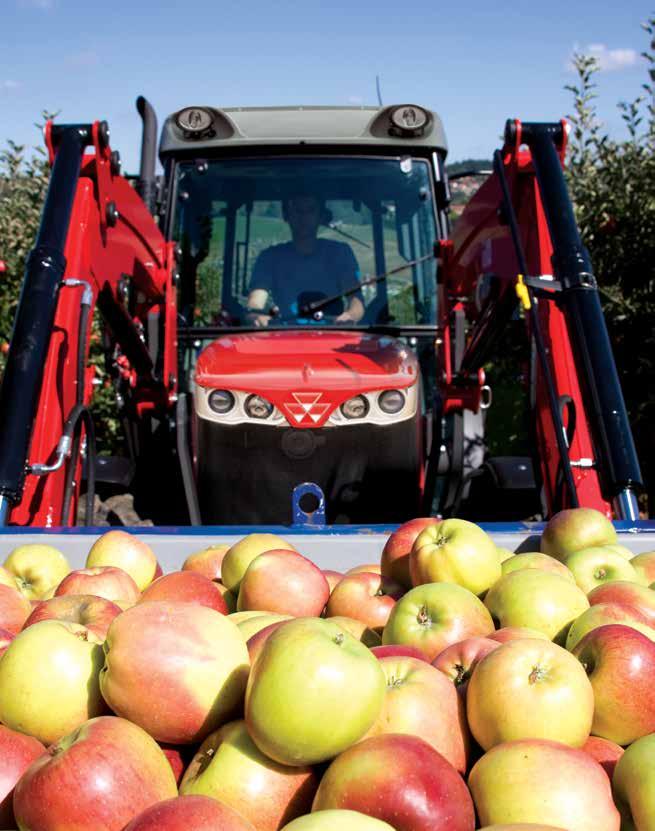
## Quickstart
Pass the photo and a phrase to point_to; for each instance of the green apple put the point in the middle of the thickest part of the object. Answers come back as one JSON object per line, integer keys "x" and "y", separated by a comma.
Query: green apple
{"x": 455, "y": 551}
{"x": 504, "y": 554}
{"x": 623, "y": 550}
{"x": 602, "y": 614}
{"x": 37, "y": 568}
{"x": 574, "y": 529}
{"x": 358, "y": 629}
{"x": 252, "y": 625}
{"x": 592, "y": 567}
{"x": 242, "y": 553}
{"x": 537, "y": 599}
{"x": 644, "y": 565}
{"x": 634, "y": 784}
{"x": 529, "y": 689}
{"x": 534, "y": 559}
{"x": 334, "y": 819}
{"x": 126, "y": 551}
{"x": 230, "y": 768}
{"x": 432, "y": 616}
{"x": 313, "y": 691}
{"x": 49, "y": 680}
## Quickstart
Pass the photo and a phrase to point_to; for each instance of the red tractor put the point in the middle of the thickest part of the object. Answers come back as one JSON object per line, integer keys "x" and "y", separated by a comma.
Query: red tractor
{"x": 286, "y": 311}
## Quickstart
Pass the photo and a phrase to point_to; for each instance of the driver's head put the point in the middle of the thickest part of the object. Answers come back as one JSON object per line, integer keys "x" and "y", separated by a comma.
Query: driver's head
{"x": 303, "y": 212}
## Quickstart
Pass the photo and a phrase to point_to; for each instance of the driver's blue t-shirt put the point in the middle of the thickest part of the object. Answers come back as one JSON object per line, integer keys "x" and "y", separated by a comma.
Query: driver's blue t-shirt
{"x": 288, "y": 275}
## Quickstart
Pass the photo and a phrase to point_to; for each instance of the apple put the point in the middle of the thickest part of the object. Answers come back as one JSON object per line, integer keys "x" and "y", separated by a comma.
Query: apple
{"x": 534, "y": 559}
{"x": 230, "y": 768}
{"x": 186, "y": 587}
{"x": 574, "y": 529}
{"x": 49, "y": 680}
{"x": 521, "y": 826}
{"x": 536, "y": 599}
{"x": 434, "y": 615}
{"x": 398, "y": 651}
{"x": 513, "y": 633}
{"x": 6, "y": 638}
{"x": 312, "y": 692}
{"x": 341, "y": 820}
{"x": 229, "y": 598}
{"x": 634, "y": 784}
{"x": 551, "y": 783}
{"x": 368, "y": 568}
{"x": 623, "y": 550}
{"x": 333, "y": 577}
{"x": 126, "y": 551}
{"x": 283, "y": 582}
{"x": 504, "y": 554}
{"x": 239, "y": 617}
{"x": 644, "y": 565}
{"x": 605, "y": 752}
{"x": 529, "y": 689}
{"x": 15, "y": 608}
{"x": 358, "y": 629}
{"x": 17, "y": 752}
{"x": 455, "y": 551}
{"x": 394, "y": 563}
{"x": 107, "y": 581}
{"x": 242, "y": 553}
{"x": 207, "y": 562}
{"x": 365, "y": 596}
{"x": 256, "y": 642}
{"x": 628, "y": 593}
{"x": 401, "y": 780}
{"x": 36, "y": 568}
{"x": 603, "y": 614}
{"x": 179, "y": 757}
{"x": 178, "y": 670}
{"x": 99, "y": 777}
{"x": 593, "y": 567}
{"x": 94, "y": 613}
{"x": 421, "y": 701}
{"x": 200, "y": 813}
{"x": 620, "y": 663}
{"x": 250, "y": 627}
{"x": 458, "y": 660}
{"x": 7, "y": 579}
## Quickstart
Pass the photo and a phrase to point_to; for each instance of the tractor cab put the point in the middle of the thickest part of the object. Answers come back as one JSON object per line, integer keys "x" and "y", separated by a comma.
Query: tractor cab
{"x": 307, "y": 306}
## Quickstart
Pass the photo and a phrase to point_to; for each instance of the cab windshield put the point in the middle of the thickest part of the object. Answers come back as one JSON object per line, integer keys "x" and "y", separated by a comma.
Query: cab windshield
{"x": 282, "y": 236}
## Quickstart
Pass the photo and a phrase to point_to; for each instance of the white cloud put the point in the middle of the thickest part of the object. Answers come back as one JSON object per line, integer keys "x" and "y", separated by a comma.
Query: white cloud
{"x": 9, "y": 85}
{"x": 609, "y": 60}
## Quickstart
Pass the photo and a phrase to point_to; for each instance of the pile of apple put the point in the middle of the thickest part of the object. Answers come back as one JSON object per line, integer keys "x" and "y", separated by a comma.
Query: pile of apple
{"x": 452, "y": 686}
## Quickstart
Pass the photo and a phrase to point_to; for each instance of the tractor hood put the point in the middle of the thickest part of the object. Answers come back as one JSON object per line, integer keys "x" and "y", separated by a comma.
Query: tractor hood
{"x": 306, "y": 375}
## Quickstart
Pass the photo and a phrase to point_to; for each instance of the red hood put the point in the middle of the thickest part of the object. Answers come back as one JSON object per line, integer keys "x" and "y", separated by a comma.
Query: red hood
{"x": 282, "y": 365}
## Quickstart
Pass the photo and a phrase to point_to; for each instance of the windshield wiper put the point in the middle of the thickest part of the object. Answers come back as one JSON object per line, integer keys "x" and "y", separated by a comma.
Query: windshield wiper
{"x": 317, "y": 305}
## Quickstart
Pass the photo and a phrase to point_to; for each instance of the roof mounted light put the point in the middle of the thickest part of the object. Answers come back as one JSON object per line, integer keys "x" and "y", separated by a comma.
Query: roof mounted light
{"x": 408, "y": 120}
{"x": 195, "y": 121}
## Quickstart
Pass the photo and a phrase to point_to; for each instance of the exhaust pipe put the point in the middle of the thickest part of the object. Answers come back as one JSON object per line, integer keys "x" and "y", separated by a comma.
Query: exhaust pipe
{"x": 147, "y": 184}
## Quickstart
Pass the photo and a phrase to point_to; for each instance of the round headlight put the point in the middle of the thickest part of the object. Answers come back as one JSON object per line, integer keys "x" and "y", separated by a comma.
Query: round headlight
{"x": 221, "y": 401}
{"x": 391, "y": 401}
{"x": 258, "y": 407}
{"x": 356, "y": 407}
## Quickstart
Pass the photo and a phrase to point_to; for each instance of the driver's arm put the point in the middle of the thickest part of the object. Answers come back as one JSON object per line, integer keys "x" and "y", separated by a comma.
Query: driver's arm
{"x": 354, "y": 312}
{"x": 255, "y": 306}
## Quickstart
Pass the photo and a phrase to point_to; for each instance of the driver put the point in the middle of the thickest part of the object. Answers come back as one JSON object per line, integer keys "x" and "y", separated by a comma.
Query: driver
{"x": 305, "y": 269}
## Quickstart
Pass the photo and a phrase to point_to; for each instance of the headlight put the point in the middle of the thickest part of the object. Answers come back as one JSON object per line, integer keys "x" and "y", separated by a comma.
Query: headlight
{"x": 258, "y": 407}
{"x": 356, "y": 407}
{"x": 391, "y": 401}
{"x": 221, "y": 401}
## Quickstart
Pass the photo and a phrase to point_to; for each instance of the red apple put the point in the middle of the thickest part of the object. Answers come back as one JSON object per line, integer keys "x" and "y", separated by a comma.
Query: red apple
{"x": 107, "y": 581}
{"x": 401, "y": 780}
{"x": 358, "y": 629}
{"x": 333, "y": 577}
{"x": 242, "y": 553}
{"x": 208, "y": 561}
{"x": 432, "y": 616}
{"x": 620, "y": 663}
{"x": 421, "y": 701}
{"x": 200, "y": 813}
{"x": 398, "y": 651}
{"x": 513, "y": 633}
{"x": 100, "y": 776}
{"x": 6, "y": 638}
{"x": 550, "y": 783}
{"x": 17, "y": 752}
{"x": 605, "y": 752}
{"x": 370, "y": 568}
{"x": 95, "y": 613}
{"x": 396, "y": 551}
{"x": 230, "y": 768}
{"x": 458, "y": 660}
{"x": 631, "y": 594}
{"x": 256, "y": 642}
{"x": 284, "y": 582}
{"x": 178, "y": 757}
{"x": 178, "y": 670}
{"x": 15, "y": 608}
{"x": 186, "y": 587}
{"x": 228, "y": 597}
{"x": 603, "y": 614}
{"x": 365, "y": 596}
{"x": 126, "y": 551}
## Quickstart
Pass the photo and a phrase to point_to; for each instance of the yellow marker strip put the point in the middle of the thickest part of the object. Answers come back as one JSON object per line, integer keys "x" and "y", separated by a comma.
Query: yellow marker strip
{"x": 522, "y": 292}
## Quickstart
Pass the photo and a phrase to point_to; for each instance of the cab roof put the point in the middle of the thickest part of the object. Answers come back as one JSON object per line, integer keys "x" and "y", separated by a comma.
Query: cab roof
{"x": 242, "y": 127}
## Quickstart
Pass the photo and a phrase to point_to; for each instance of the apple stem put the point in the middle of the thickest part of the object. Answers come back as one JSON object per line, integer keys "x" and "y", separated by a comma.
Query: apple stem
{"x": 423, "y": 618}
{"x": 338, "y": 639}
{"x": 537, "y": 674}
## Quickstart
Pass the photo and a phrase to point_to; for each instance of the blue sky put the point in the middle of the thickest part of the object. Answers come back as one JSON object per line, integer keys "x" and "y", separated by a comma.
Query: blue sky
{"x": 475, "y": 63}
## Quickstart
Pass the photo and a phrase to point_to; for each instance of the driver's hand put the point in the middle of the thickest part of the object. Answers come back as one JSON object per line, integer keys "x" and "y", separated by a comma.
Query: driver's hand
{"x": 345, "y": 317}
{"x": 258, "y": 320}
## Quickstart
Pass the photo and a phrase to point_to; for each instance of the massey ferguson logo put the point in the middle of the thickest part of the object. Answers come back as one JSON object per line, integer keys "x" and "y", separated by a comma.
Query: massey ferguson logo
{"x": 306, "y": 407}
